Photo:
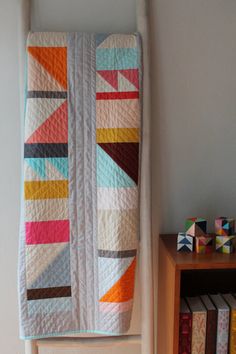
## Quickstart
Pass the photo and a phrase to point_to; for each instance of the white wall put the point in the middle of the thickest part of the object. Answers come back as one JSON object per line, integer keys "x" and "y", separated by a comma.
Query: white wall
{"x": 194, "y": 110}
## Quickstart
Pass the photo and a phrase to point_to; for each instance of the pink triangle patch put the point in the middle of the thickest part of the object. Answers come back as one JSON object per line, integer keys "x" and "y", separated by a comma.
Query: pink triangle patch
{"x": 191, "y": 230}
{"x": 111, "y": 76}
{"x": 54, "y": 129}
{"x": 132, "y": 76}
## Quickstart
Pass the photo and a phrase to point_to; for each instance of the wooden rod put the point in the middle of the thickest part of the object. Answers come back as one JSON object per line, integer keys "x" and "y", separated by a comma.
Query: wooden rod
{"x": 31, "y": 347}
{"x": 24, "y": 11}
{"x": 146, "y": 256}
{"x": 145, "y": 214}
{"x": 23, "y": 29}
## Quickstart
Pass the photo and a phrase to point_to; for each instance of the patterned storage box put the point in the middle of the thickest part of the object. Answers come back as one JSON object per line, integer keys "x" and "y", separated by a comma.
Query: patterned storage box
{"x": 225, "y": 244}
{"x": 195, "y": 226}
{"x": 185, "y": 242}
{"x": 204, "y": 244}
{"x": 224, "y": 226}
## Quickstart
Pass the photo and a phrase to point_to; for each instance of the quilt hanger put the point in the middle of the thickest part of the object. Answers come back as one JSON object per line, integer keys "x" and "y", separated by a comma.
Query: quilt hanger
{"x": 53, "y": 235}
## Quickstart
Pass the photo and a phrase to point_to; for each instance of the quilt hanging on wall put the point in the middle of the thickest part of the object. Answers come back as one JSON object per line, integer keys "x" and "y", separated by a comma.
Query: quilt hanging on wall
{"x": 79, "y": 215}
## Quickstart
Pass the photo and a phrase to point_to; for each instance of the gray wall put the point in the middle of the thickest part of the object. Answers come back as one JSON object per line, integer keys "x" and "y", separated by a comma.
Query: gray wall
{"x": 84, "y": 15}
{"x": 194, "y": 110}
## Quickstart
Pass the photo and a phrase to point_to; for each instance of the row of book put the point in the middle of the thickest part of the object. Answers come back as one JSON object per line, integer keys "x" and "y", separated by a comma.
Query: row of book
{"x": 207, "y": 324}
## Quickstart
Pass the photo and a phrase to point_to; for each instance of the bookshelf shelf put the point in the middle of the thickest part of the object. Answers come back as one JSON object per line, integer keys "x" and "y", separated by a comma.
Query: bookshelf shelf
{"x": 187, "y": 274}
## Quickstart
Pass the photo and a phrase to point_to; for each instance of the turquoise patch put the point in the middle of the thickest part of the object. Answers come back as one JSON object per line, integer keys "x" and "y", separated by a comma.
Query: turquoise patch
{"x": 109, "y": 174}
{"x": 116, "y": 58}
{"x": 38, "y": 166}
{"x": 61, "y": 164}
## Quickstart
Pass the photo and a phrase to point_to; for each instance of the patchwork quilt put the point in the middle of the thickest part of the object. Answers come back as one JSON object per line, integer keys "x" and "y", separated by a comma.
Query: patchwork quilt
{"x": 79, "y": 222}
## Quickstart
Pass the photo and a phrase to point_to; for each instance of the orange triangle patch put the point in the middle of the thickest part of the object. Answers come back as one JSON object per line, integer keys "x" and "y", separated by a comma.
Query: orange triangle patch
{"x": 54, "y": 129}
{"x": 123, "y": 289}
{"x": 40, "y": 79}
{"x": 54, "y": 60}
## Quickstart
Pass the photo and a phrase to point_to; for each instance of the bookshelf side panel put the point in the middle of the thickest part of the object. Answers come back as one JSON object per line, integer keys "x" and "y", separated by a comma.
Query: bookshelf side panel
{"x": 168, "y": 299}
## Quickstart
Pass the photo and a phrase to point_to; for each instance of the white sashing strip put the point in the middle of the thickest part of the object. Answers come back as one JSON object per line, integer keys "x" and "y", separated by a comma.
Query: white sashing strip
{"x": 117, "y": 198}
{"x": 46, "y": 209}
{"x": 47, "y": 39}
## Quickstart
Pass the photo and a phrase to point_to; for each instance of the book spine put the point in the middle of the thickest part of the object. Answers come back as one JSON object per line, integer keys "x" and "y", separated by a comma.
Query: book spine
{"x": 199, "y": 333}
{"x": 211, "y": 332}
{"x": 222, "y": 332}
{"x": 233, "y": 332}
{"x": 185, "y": 333}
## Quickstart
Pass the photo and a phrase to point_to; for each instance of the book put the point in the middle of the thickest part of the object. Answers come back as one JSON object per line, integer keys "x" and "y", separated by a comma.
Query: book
{"x": 185, "y": 328}
{"x": 223, "y": 314}
{"x": 211, "y": 326}
{"x": 199, "y": 318}
{"x": 231, "y": 301}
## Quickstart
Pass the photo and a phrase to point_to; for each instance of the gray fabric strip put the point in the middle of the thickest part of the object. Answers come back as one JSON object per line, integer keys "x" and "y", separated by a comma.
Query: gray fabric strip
{"x": 88, "y": 96}
{"x": 82, "y": 177}
{"x": 72, "y": 156}
{"x": 47, "y": 94}
{"x": 117, "y": 254}
{"x": 94, "y": 180}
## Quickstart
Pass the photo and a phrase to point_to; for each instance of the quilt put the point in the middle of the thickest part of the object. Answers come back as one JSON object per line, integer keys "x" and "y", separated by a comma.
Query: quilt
{"x": 79, "y": 213}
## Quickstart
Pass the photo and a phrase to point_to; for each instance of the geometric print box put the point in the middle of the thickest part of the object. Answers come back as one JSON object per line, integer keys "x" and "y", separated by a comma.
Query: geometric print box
{"x": 185, "y": 242}
{"x": 204, "y": 244}
{"x": 79, "y": 218}
{"x": 225, "y": 244}
{"x": 195, "y": 226}
{"x": 224, "y": 226}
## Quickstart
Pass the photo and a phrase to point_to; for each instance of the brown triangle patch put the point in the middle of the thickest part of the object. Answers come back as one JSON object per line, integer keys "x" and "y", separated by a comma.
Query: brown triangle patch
{"x": 198, "y": 230}
{"x": 126, "y": 155}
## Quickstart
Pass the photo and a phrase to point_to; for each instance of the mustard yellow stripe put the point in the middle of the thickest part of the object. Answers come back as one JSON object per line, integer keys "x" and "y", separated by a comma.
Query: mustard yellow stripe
{"x": 118, "y": 135}
{"x": 45, "y": 189}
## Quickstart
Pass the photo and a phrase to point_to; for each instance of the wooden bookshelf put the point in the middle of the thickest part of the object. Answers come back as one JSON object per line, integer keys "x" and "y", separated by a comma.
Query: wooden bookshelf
{"x": 187, "y": 274}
